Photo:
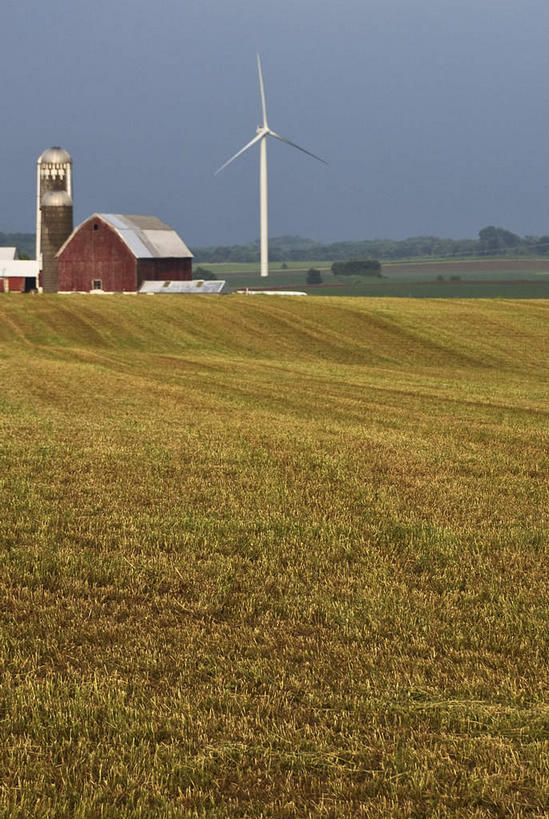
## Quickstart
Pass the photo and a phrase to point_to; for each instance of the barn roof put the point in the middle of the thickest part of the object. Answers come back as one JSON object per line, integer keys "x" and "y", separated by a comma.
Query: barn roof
{"x": 194, "y": 286}
{"x": 17, "y": 268}
{"x": 8, "y": 252}
{"x": 146, "y": 236}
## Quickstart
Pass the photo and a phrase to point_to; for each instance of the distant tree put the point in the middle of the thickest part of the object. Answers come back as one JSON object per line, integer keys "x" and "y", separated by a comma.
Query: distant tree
{"x": 357, "y": 267}
{"x": 542, "y": 245}
{"x": 494, "y": 239}
{"x": 202, "y": 273}
{"x": 313, "y": 276}
{"x": 283, "y": 266}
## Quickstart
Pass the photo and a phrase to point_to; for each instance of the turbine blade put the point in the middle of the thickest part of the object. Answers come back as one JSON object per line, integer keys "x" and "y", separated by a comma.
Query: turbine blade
{"x": 293, "y": 144}
{"x": 262, "y": 90}
{"x": 241, "y": 151}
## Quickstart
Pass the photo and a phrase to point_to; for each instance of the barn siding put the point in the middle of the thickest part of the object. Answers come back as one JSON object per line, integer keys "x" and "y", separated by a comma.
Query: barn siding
{"x": 97, "y": 254}
{"x": 12, "y": 284}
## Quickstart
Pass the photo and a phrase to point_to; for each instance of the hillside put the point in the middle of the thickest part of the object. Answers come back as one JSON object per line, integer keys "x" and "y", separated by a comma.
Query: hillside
{"x": 273, "y": 556}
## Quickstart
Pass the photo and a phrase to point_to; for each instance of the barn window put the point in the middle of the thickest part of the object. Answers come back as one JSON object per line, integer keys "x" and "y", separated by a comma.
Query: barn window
{"x": 96, "y": 284}
{"x": 96, "y": 226}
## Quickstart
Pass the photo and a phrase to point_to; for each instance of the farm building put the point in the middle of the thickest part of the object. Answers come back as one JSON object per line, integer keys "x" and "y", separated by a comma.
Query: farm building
{"x": 197, "y": 287}
{"x": 16, "y": 275}
{"x": 114, "y": 253}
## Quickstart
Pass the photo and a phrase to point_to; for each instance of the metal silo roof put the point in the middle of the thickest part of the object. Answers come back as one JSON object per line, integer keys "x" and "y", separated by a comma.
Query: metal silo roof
{"x": 56, "y": 199}
{"x": 55, "y": 156}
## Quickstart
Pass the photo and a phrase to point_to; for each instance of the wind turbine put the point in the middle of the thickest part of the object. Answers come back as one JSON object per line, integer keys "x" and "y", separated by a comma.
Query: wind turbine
{"x": 263, "y": 131}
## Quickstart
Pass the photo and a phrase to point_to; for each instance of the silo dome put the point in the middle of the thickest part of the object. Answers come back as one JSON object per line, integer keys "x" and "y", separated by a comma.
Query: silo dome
{"x": 56, "y": 199}
{"x": 55, "y": 156}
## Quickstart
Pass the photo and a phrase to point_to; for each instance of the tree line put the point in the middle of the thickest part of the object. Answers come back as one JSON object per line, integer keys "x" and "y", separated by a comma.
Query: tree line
{"x": 24, "y": 242}
{"x": 491, "y": 241}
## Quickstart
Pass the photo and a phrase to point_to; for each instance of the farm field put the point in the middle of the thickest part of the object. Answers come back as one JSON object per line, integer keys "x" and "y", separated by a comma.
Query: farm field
{"x": 273, "y": 557}
{"x": 469, "y": 278}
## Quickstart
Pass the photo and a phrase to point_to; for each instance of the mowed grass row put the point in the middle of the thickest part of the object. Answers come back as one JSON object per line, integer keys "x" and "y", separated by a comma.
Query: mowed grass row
{"x": 273, "y": 557}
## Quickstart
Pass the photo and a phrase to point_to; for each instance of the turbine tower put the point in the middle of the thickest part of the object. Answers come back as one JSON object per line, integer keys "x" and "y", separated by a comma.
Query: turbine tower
{"x": 263, "y": 131}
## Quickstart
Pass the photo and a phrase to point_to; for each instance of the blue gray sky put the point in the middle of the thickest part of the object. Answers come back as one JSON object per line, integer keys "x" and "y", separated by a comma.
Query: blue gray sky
{"x": 432, "y": 114}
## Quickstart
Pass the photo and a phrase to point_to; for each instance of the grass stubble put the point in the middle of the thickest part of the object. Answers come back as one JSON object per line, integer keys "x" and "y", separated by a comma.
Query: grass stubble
{"x": 273, "y": 557}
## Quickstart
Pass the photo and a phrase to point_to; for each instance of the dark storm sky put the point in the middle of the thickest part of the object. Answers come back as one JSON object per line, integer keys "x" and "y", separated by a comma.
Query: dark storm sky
{"x": 433, "y": 114}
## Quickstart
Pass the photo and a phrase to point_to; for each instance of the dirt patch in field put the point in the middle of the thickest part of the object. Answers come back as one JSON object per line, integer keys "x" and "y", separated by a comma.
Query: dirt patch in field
{"x": 469, "y": 266}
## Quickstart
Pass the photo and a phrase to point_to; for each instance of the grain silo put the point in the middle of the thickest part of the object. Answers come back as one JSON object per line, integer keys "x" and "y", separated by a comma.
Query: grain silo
{"x": 53, "y": 212}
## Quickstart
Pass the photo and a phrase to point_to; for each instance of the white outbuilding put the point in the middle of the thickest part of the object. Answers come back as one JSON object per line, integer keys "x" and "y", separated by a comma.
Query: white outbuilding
{"x": 16, "y": 275}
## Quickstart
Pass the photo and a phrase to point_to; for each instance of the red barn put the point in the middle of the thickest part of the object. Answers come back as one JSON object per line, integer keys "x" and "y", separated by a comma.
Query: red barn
{"x": 113, "y": 253}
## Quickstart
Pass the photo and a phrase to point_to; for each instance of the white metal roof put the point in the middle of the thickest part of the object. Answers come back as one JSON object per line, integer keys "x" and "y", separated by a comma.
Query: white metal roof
{"x": 8, "y": 252}
{"x": 250, "y": 292}
{"x": 147, "y": 237}
{"x": 197, "y": 286}
{"x": 14, "y": 268}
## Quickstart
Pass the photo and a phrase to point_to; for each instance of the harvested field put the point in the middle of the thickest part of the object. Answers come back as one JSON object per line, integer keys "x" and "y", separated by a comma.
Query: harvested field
{"x": 442, "y": 278}
{"x": 273, "y": 557}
